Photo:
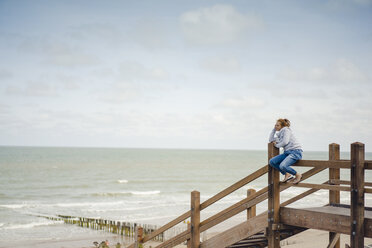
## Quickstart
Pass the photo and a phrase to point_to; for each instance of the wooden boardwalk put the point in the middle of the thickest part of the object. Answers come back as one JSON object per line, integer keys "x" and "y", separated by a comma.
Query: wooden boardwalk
{"x": 280, "y": 221}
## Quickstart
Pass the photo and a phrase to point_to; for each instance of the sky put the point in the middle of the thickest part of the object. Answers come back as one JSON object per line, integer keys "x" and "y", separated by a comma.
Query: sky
{"x": 185, "y": 74}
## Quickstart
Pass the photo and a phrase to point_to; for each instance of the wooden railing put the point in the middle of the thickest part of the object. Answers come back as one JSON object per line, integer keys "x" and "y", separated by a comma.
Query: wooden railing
{"x": 271, "y": 218}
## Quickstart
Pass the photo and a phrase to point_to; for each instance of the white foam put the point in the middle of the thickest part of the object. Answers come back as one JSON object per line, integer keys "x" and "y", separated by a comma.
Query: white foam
{"x": 122, "y": 181}
{"x": 154, "y": 192}
{"x": 33, "y": 224}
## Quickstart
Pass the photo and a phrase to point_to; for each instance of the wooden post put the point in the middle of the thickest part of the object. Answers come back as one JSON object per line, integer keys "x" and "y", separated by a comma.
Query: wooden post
{"x": 251, "y": 211}
{"x": 273, "y": 234}
{"x": 195, "y": 219}
{"x": 188, "y": 240}
{"x": 138, "y": 236}
{"x": 357, "y": 195}
{"x": 334, "y": 196}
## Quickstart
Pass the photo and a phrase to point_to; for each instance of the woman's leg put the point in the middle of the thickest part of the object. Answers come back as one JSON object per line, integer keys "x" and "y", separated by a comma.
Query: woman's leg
{"x": 277, "y": 160}
{"x": 285, "y": 165}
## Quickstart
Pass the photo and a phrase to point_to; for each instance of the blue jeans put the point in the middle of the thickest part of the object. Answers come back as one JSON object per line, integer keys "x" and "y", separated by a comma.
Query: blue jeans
{"x": 283, "y": 161}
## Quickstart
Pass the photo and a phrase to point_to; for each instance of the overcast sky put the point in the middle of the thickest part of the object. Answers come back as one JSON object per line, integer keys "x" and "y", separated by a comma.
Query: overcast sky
{"x": 185, "y": 74}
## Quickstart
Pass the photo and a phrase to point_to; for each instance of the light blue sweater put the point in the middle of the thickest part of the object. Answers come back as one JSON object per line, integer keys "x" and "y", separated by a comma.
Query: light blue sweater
{"x": 285, "y": 139}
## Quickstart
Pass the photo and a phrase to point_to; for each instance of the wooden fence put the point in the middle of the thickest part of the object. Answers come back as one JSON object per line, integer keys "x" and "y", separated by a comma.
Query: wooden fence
{"x": 278, "y": 215}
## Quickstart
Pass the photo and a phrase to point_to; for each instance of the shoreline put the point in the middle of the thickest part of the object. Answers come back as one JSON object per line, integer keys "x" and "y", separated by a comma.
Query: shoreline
{"x": 308, "y": 239}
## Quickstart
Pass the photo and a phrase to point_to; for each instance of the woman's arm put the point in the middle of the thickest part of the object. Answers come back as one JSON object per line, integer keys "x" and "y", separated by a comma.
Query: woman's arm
{"x": 285, "y": 140}
{"x": 272, "y": 136}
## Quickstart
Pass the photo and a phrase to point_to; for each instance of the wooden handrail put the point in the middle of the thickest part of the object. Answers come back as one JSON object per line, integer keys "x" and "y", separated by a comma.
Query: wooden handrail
{"x": 334, "y": 185}
{"x": 258, "y": 173}
{"x": 254, "y": 199}
{"x": 324, "y": 164}
{"x": 244, "y": 204}
{"x": 321, "y": 186}
{"x": 347, "y": 182}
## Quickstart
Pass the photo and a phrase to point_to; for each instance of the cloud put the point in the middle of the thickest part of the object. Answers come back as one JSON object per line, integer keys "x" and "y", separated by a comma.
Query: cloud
{"x": 131, "y": 71}
{"x": 242, "y": 103}
{"x": 219, "y": 24}
{"x": 97, "y": 31}
{"x": 150, "y": 34}
{"x": 60, "y": 54}
{"x": 221, "y": 65}
{"x": 342, "y": 71}
{"x": 33, "y": 89}
{"x": 5, "y": 74}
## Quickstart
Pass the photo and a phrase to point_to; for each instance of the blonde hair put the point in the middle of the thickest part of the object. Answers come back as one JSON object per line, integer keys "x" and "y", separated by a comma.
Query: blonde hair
{"x": 284, "y": 122}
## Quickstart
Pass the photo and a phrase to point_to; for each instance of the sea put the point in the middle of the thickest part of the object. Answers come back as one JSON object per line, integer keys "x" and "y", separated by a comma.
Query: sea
{"x": 145, "y": 186}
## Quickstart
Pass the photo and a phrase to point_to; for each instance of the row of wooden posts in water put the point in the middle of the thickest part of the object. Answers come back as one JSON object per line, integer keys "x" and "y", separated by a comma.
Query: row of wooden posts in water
{"x": 127, "y": 229}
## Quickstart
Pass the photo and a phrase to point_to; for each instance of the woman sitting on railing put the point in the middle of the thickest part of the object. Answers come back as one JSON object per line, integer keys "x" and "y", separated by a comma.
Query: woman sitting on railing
{"x": 292, "y": 151}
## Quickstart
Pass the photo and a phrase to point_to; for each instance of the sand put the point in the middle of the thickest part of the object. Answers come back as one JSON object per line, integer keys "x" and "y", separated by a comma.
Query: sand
{"x": 306, "y": 239}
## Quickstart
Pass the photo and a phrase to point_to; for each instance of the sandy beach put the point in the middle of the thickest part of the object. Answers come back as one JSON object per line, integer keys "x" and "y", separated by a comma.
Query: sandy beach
{"x": 307, "y": 239}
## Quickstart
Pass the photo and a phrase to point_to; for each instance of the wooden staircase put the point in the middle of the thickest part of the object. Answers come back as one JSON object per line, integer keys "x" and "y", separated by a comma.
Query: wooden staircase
{"x": 280, "y": 221}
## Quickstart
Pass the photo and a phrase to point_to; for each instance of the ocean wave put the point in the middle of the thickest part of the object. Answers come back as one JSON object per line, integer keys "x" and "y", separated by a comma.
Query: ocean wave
{"x": 122, "y": 181}
{"x": 31, "y": 225}
{"x": 14, "y": 206}
{"x": 113, "y": 194}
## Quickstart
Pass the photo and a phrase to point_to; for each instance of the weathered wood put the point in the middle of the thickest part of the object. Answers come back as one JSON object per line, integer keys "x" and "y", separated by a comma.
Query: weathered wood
{"x": 165, "y": 227}
{"x": 357, "y": 195}
{"x": 237, "y": 208}
{"x": 300, "y": 196}
{"x": 175, "y": 240}
{"x": 366, "y": 184}
{"x": 338, "y": 223}
{"x": 260, "y": 196}
{"x": 188, "y": 240}
{"x": 258, "y": 173}
{"x": 195, "y": 219}
{"x": 334, "y": 195}
{"x": 333, "y": 242}
{"x": 207, "y": 203}
{"x": 368, "y": 165}
{"x": 320, "y": 186}
{"x": 237, "y": 233}
{"x": 343, "y": 164}
{"x": 273, "y": 236}
{"x": 251, "y": 211}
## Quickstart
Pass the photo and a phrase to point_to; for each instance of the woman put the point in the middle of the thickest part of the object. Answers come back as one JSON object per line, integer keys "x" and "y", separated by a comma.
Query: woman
{"x": 292, "y": 151}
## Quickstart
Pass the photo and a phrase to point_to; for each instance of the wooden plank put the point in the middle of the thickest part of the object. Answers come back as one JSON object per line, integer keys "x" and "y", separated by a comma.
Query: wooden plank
{"x": 175, "y": 240}
{"x": 300, "y": 196}
{"x": 258, "y": 173}
{"x": 368, "y": 165}
{"x": 320, "y": 186}
{"x": 195, "y": 219}
{"x": 357, "y": 195}
{"x": 251, "y": 211}
{"x": 343, "y": 164}
{"x": 366, "y": 184}
{"x": 334, "y": 241}
{"x": 319, "y": 218}
{"x": 238, "y": 207}
{"x": 334, "y": 195}
{"x": 338, "y": 223}
{"x": 237, "y": 233}
{"x": 273, "y": 235}
{"x": 165, "y": 227}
